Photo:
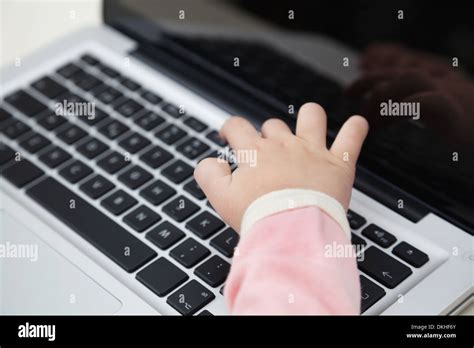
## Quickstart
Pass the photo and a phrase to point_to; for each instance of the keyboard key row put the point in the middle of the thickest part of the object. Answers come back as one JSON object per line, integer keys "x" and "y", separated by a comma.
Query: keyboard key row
{"x": 25, "y": 103}
{"x": 113, "y": 240}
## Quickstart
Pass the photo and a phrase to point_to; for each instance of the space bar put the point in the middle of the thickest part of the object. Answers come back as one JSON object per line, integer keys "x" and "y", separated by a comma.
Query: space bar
{"x": 113, "y": 240}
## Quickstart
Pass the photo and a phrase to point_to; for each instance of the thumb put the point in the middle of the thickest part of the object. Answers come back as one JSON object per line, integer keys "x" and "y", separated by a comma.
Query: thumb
{"x": 214, "y": 177}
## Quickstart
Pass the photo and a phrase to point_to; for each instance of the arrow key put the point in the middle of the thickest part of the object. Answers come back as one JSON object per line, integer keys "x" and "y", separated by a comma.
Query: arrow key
{"x": 383, "y": 268}
{"x": 370, "y": 293}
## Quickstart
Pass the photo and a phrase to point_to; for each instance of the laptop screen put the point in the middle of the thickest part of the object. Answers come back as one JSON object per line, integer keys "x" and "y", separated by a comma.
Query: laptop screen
{"x": 406, "y": 66}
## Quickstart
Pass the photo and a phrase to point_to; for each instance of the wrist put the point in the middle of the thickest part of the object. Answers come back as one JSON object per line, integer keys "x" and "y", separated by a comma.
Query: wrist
{"x": 282, "y": 200}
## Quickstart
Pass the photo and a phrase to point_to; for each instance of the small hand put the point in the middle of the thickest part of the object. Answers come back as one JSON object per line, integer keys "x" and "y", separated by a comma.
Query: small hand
{"x": 283, "y": 160}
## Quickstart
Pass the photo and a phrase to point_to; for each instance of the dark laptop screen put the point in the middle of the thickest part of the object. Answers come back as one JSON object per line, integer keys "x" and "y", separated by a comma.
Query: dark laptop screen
{"x": 413, "y": 81}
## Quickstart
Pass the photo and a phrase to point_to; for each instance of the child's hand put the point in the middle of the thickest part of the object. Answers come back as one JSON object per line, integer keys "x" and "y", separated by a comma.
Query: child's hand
{"x": 283, "y": 160}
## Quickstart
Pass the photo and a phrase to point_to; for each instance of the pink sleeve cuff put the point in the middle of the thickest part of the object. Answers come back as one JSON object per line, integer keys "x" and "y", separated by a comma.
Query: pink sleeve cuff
{"x": 290, "y": 263}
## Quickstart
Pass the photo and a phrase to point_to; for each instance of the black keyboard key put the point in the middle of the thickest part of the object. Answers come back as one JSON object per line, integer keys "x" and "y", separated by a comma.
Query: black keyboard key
{"x": 25, "y": 103}
{"x": 157, "y": 192}
{"x": 357, "y": 241}
{"x": 134, "y": 142}
{"x": 34, "y": 143}
{"x": 118, "y": 202}
{"x": 162, "y": 277}
{"x": 22, "y": 173}
{"x": 79, "y": 76}
{"x": 113, "y": 162}
{"x": 170, "y": 134}
{"x": 178, "y": 171}
{"x": 214, "y": 271}
{"x": 135, "y": 176}
{"x": 98, "y": 116}
{"x": 190, "y": 298}
{"x": 113, "y": 129}
{"x": 151, "y": 97}
{"x": 180, "y": 208}
{"x": 165, "y": 235}
{"x": 355, "y": 220}
{"x": 4, "y": 115}
{"x": 141, "y": 218}
{"x": 15, "y": 129}
{"x": 173, "y": 110}
{"x": 156, "y": 157}
{"x": 193, "y": 188}
{"x": 71, "y": 134}
{"x": 410, "y": 254}
{"x": 6, "y": 154}
{"x": 75, "y": 171}
{"x": 129, "y": 83}
{"x": 88, "y": 82}
{"x": 149, "y": 121}
{"x": 54, "y": 157}
{"x": 68, "y": 70}
{"x": 69, "y": 98}
{"x": 204, "y": 225}
{"x": 370, "y": 293}
{"x": 113, "y": 240}
{"x": 97, "y": 186}
{"x": 128, "y": 107}
{"x": 379, "y": 236}
{"x": 49, "y": 87}
{"x": 192, "y": 148}
{"x": 226, "y": 242}
{"x": 107, "y": 95}
{"x": 112, "y": 73}
{"x": 205, "y": 313}
{"x": 52, "y": 121}
{"x": 383, "y": 268}
{"x": 195, "y": 124}
{"x": 189, "y": 253}
{"x": 216, "y": 138}
{"x": 92, "y": 147}
{"x": 90, "y": 59}
{"x": 210, "y": 206}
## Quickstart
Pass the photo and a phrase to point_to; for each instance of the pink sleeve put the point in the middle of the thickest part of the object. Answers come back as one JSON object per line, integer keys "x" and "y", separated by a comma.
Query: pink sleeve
{"x": 288, "y": 263}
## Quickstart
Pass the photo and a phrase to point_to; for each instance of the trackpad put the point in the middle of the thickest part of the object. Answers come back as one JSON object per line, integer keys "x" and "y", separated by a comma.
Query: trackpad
{"x": 36, "y": 279}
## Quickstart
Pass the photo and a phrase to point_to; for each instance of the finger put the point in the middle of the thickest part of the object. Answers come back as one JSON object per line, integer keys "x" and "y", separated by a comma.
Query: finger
{"x": 239, "y": 133}
{"x": 311, "y": 124}
{"x": 213, "y": 177}
{"x": 350, "y": 139}
{"x": 276, "y": 129}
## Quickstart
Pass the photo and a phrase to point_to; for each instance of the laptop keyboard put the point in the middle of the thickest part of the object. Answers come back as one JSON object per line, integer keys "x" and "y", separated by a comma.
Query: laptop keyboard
{"x": 143, "y": 165}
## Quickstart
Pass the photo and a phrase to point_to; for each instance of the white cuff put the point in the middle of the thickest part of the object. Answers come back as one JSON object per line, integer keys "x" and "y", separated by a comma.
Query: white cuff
{"x": 281, "y": 200}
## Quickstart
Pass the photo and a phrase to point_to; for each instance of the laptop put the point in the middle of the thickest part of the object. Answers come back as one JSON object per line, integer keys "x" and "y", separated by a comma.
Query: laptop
{"x": 101, "y": 131}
